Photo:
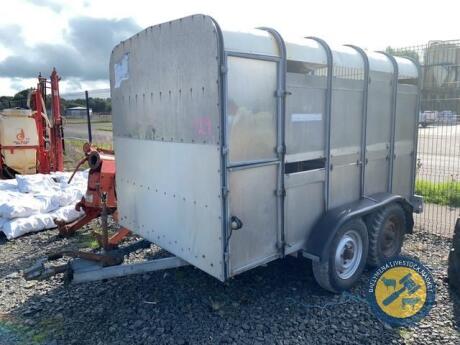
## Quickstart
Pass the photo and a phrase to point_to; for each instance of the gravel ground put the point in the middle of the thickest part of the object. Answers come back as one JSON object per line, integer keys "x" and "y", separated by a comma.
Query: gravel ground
{"x": 279, "y": 303}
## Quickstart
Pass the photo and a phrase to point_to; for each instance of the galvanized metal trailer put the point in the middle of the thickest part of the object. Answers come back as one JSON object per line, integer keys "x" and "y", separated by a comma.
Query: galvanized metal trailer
{"x": 247, "y": 147}
{"x": 234, "y": 149}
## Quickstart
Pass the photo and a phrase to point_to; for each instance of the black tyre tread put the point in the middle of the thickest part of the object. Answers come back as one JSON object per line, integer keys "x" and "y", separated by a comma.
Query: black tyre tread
{"x": 321, "y": 274}
{"x": 321, "y": 270}
{"x": 376, "y": 221}
{"x": 374, "y": 224}
{"x": 453, "y": 271}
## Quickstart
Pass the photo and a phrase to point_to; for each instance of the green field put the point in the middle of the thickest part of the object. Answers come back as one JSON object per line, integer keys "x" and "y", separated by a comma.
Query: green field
{"x": 74, "y": 153}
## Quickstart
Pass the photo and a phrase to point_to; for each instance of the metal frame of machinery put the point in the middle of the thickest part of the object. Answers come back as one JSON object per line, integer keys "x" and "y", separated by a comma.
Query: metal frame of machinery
{"x": 47, "y": 139}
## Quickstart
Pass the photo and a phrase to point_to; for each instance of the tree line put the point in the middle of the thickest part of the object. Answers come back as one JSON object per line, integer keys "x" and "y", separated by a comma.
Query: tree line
{"x": 99, "y": 105}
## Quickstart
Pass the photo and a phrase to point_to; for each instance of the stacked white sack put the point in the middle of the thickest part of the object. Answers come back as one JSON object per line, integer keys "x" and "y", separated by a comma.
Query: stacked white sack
{"x": 31, "y": 203}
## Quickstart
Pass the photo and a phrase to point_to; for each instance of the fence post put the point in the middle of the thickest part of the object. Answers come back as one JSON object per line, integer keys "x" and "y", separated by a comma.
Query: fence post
{"x": 90, "y": 136}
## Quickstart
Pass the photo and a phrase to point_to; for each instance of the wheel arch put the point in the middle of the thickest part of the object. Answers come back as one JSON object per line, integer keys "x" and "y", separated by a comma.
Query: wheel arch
{"x": 323, "y": 232}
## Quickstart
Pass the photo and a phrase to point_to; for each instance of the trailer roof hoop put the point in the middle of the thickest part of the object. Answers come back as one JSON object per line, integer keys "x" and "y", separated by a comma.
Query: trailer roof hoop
{"x": 328, "y": 110}
{"x": 364, "y": 114}
{"x": 280, "y": 145}
{"x": 393, "y": 117}
{"x": 417, "y": 112}
{"x": 281, "y": 90}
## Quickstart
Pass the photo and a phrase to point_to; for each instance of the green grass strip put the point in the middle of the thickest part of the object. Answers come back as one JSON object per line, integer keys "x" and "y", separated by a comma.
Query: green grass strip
{"x": 441, "y": 193}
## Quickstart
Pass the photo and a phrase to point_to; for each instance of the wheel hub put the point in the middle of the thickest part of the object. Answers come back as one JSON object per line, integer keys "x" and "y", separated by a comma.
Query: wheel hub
{"x": 348, "y": 254}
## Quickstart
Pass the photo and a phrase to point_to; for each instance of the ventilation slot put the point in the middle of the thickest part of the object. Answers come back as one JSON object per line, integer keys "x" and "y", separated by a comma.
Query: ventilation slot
{"x": 312, "y": 164}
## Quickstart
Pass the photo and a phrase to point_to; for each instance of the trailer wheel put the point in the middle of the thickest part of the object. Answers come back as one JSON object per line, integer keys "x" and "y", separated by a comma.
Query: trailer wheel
{"x": 387, "y": 227}
{"x": 453, "y": 271}
{"x": 346, "y": 258}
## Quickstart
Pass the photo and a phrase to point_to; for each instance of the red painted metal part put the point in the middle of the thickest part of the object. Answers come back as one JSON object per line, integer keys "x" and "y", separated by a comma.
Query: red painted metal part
{"x": 43, "y": 160}
{"x": 69, "y": 229}
{"x": 57, "y": 151}
{"x": 101, "y": 181}
{"x": 118, "y": 236}
{"x": 50, "y": 149}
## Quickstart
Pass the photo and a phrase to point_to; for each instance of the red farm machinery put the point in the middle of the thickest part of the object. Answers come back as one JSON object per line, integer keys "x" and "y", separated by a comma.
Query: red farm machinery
{"x": 31, "y": 141}
{"x": 100, "y": 199}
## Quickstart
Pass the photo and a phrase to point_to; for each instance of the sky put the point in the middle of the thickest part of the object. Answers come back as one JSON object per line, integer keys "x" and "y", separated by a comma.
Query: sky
{"x": 77, "y": 36}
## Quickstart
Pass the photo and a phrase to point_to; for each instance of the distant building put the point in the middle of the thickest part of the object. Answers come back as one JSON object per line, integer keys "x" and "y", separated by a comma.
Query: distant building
{"x": 77, "y": 112}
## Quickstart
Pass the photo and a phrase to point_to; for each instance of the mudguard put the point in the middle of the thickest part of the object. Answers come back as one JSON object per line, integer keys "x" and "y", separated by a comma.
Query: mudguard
{"x": 321, "y": 236}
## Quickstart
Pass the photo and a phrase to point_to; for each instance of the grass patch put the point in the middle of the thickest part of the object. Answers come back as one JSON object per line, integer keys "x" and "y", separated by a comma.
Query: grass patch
{"x": 29, "y": 335}
{"x": 87, "y": 240}
{"x": 102, "y": 126}
{"x": 441, "y": 193}
{"x": 39, "y": 338}
{"x": 45, "y": 328}
{"x": 105, "y": 129}
{"x": 404, "y": 333}
{"x": 74, "y": 152}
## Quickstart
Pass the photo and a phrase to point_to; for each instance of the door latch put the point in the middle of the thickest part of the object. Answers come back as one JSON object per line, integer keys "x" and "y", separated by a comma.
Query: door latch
{"x": 235, "y": 223}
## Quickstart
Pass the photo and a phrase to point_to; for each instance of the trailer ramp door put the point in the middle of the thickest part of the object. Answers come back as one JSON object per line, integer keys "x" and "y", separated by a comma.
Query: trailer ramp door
{"x": 252, "y": 160}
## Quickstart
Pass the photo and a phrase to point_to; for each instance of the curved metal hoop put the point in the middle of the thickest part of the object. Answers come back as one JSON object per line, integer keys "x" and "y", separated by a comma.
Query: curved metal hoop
{"x": 281, "y": 119}
{"x": 328, "y": 110}
{"x": 364, "y": 114}
{"x": 418, "y": 109}
{"x": 393, "y": 118}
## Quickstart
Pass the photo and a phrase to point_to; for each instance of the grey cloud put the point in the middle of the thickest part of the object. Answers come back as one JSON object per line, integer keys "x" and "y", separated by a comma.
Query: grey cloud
{"x": 85, "y": 56}
{"x": 10, "y": 36}
{"x": 42, "y": 59}
{"x": 74, "y": 84}
{"x": 95, "y": 38}
{"x": 52, "y": 5}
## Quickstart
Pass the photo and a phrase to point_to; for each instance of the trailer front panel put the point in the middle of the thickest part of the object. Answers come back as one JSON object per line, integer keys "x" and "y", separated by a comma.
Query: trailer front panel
{"x": 166, "y": 120}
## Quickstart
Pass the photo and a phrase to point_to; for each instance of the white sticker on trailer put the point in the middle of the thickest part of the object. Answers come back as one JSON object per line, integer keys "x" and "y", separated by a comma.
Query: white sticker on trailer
{"x": 121, "y": 70}
{"x": 296, "y": 117}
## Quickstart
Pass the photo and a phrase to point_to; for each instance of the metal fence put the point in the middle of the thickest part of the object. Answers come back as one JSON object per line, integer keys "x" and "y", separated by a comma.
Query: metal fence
{"x": 75, "y": 116}
{"x": 438, "y": 175}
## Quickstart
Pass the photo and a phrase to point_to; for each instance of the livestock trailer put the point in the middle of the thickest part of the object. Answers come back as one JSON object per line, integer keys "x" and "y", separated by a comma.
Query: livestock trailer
{"x": 234, "y": 149}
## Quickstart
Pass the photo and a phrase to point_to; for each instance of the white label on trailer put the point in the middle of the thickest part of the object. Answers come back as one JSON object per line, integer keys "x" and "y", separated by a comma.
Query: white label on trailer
{"x": 306, "y": 117}
{"x": 121, "y": 70}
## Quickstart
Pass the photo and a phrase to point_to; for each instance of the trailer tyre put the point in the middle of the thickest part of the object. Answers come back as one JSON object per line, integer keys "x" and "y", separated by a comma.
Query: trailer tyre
{"x": 387, "y": 227}
{"x": 346, "y": 259}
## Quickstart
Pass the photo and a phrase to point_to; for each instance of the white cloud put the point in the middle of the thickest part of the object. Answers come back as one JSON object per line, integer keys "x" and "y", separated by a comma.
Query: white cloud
{"x": 54, "y": 6}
